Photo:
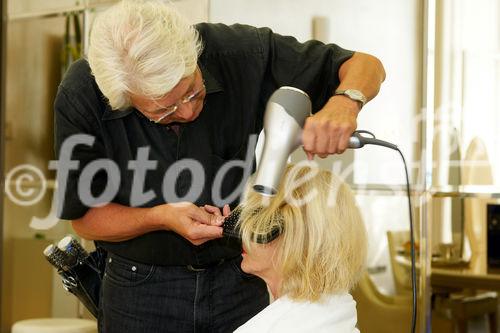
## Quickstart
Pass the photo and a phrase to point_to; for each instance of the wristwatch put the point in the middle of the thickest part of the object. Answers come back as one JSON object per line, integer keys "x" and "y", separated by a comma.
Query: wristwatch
{"x": 353, "y": 94}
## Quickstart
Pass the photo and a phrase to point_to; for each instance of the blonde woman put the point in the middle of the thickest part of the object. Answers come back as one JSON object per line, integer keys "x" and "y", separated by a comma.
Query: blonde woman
{"x": 315, "y": 259}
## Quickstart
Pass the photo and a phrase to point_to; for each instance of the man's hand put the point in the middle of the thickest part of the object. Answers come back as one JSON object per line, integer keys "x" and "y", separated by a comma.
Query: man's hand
{"x": 328, "y": 131}
{"x": 216, "y": 210}
{"x": 194, "y": 223}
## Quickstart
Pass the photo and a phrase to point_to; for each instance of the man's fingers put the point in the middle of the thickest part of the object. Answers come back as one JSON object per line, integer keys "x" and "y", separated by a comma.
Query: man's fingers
{"x": 207, "y": 231}
{"x": 309, "y": 138}
{"x": 310, "y": 156}
{"x": 334, "y": 141}
{"x": 322, "y": 142}
{"x": 201, "y": 233}
{"x": 212, "y": 210}
{"x": 226, "y": 210}
{"x": 345, "y": 137}
{"x": 200, "y": 215}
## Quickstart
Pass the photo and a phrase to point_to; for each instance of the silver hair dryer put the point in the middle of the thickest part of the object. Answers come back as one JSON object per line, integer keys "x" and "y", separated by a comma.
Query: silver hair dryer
{"x": 286, "y": 113}
{"x": 284, "y": 118}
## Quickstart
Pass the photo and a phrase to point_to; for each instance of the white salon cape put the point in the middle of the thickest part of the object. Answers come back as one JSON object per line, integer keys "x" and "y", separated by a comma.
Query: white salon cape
{"x": 335, "y": 313}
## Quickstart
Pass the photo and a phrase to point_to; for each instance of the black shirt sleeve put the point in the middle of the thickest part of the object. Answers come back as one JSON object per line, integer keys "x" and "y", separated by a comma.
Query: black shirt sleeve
{"x": 72, "y": 116}
{"x": 311, "y": 66}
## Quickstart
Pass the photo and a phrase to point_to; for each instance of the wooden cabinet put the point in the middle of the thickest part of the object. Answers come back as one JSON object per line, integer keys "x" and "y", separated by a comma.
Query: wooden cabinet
{"x": 27, "y": 281}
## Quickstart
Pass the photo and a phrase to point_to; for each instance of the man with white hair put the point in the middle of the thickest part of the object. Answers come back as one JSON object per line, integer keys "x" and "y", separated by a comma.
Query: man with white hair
{"x": 167, "y": 105}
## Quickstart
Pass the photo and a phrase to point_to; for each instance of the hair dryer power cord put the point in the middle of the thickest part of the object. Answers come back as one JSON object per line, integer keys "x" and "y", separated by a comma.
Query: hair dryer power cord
{"x": 372, "y": 140}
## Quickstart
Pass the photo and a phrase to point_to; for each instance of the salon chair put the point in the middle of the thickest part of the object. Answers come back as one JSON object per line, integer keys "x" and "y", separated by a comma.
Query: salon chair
{"x": 455, "y": 306}
{"x": 380, "y": 313}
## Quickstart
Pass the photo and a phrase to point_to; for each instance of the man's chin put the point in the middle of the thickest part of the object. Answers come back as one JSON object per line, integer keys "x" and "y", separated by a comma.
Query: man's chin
{"x": 183, "y": 120}
{"x": 175, "y": 122}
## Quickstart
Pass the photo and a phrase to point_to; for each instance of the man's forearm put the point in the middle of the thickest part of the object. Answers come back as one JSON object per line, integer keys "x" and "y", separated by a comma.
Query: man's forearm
{"x": 114, "y": 223}
{"x": 362, "y": 72}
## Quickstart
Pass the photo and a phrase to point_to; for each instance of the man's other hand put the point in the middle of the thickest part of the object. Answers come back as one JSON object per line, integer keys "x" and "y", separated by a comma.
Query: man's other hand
{"x": 194, "y": 223}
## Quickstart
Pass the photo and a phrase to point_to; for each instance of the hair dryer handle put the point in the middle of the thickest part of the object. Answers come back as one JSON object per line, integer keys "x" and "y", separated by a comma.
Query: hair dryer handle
{"x": 355, "y": 141}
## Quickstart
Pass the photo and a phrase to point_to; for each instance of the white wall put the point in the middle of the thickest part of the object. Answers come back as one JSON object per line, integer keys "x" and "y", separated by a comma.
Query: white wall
{"x": 195, "y": 10}
{"x": 389, "y": 32}
{"x": 479, "y": 43}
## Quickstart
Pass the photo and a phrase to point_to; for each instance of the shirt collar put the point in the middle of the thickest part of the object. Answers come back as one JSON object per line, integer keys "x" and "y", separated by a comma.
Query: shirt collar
{"x": 211, "y": 85}
{"x": 110, "y": 114}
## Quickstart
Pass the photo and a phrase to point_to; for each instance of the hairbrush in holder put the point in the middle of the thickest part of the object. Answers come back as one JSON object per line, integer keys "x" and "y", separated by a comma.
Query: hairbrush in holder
{"x": 81, "y": 272}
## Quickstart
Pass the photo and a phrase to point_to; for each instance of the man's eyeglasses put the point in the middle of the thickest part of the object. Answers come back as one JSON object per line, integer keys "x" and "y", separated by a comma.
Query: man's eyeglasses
{"x": 185, "y": 100}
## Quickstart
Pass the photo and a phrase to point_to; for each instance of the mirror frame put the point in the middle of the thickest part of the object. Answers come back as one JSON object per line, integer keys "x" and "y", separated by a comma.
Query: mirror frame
{"x": 3, "y": 43}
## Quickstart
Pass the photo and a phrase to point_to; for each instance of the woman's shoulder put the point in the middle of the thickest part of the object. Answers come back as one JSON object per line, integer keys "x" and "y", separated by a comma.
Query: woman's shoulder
{"x": 331, "y": 313}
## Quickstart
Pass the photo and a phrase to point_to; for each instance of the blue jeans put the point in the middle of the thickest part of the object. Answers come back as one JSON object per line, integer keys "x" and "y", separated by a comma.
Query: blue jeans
{"x": 138, "y": 298}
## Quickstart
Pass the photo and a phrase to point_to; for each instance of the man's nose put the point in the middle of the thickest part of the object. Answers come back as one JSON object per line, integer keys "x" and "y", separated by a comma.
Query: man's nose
{"x": 185, "y": 110}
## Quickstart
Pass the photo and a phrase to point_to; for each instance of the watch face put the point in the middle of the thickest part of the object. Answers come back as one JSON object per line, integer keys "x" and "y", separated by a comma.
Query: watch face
{"x": 354, "y": 94}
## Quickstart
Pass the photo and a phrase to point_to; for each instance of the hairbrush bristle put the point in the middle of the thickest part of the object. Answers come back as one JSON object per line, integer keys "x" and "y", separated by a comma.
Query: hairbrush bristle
{"x": 230, "y": 228}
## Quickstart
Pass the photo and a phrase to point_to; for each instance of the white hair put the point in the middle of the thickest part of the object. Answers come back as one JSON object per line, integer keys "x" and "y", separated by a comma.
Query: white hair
{"x": 143, "y": 48}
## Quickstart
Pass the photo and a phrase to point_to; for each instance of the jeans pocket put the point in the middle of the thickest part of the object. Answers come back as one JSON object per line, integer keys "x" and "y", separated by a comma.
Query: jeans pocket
{"x": 127, "y": 273}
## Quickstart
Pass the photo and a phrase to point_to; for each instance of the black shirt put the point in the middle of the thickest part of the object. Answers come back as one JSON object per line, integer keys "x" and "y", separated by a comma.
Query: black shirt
{"x": 242, "y": 66}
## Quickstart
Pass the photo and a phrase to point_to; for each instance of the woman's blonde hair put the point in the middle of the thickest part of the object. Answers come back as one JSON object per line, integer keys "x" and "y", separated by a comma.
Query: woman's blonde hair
{"x": 322, "y": 247}
{"x": 141, "y": 47}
